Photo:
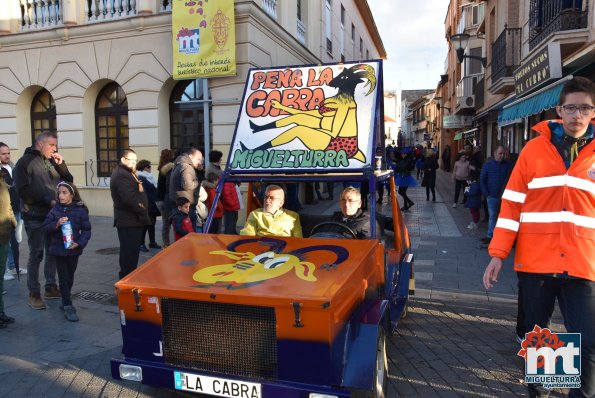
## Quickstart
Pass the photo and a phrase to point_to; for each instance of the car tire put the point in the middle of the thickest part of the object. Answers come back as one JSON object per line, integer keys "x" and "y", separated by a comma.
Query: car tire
{"x": 380, "y": 373}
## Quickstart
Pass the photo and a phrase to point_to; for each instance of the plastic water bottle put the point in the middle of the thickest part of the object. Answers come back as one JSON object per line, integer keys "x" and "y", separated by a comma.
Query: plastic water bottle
{"x": 67, "y": 234}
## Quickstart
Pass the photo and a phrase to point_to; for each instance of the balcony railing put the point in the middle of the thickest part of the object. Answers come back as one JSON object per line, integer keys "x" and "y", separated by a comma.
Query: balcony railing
{"x": 550, "y": 16}
{"x": 506, "y": 53}
{"x": 101, "y": 10}
{"x": 270, "y": 7}
{"x": 40, "y": 14}
{"x": 466, "y": 91}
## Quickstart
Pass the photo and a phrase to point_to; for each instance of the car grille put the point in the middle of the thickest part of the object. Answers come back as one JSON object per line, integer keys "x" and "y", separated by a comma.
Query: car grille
{"x": 226, "y": 338}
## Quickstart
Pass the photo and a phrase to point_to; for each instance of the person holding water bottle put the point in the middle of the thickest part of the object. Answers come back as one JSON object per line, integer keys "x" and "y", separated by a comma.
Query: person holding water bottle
{"x": 69, "y": 229}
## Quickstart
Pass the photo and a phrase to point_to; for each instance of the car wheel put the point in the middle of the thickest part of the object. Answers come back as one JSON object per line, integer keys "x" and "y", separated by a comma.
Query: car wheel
{"x": 380, "y": 372}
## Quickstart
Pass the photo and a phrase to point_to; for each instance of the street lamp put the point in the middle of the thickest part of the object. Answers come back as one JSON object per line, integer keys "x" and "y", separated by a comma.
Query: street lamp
{"x": 460, "y": 42}
{"x": 438, "y": 101}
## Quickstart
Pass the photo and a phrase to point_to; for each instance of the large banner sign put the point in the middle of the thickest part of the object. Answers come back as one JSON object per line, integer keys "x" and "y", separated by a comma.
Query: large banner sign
{"x": 307, "y": 118}
{"x": 203, "y": 38}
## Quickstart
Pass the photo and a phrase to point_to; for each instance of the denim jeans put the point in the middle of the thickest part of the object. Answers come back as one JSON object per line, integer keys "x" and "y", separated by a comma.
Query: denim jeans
{"x": 576, "y": 298}
{"x": 493, "y": 210}
{"x": 13, "y": 252}
{"x": 39, "y": 242}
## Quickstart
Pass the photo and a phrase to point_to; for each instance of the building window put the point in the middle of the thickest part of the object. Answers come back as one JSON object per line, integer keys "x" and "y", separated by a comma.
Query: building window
{"x": 352, "y": 33}
{"x": 342, "y": 15}
{"x": 299, "y": 10}
{"x": 187, "y": 109}
{"x": 361, "y": 48}
{"x": 43, "y": 114}
{"x": 475, "y": 66}
{"x": 111, "y": 124}
{"x": 328, "y": 27}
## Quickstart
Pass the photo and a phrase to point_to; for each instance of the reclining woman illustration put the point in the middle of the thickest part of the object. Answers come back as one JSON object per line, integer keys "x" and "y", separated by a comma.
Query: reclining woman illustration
{"x": 333, "y": 126}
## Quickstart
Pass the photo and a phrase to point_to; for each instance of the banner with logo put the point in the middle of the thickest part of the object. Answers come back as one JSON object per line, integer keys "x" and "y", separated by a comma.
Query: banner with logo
{"x": 319, "y": 117}
{"x": 203, "y": 38}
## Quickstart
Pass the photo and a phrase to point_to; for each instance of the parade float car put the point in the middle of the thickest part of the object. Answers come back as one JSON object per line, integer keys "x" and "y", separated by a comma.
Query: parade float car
{"x": 276, "y": 317}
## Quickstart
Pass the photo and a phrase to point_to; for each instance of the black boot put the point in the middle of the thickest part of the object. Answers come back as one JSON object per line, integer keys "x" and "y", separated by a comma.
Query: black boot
{"x": 6, "y": 319}
{"x": 409, "y": 203}
{"x": 256, "y": 128}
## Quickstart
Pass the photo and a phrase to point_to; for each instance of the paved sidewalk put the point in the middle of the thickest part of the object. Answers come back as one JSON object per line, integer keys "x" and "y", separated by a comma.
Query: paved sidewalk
{"x": 457, "y": 340}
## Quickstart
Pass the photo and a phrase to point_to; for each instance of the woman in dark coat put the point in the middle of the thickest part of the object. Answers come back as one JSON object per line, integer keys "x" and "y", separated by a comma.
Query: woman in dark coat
{"x": 429, "y": 180}
{"x": 446, "y": 158}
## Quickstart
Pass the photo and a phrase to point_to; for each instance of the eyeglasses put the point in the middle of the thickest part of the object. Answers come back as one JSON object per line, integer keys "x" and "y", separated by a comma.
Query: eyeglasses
{"x": 132, "y": 160}
{"x": 585, "y": 110}
{"x": 271, "y": 198}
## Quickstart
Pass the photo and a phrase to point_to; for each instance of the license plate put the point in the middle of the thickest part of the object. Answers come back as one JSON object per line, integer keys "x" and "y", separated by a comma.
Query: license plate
{"x": 216, "y": 386}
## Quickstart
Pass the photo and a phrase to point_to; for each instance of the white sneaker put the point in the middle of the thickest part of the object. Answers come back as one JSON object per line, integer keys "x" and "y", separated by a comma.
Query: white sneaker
{"x": 22, "y": 271}
{"x": 8, "y": 276}
{"x": 454, "y": 205}
{"x": 472, "y": 226}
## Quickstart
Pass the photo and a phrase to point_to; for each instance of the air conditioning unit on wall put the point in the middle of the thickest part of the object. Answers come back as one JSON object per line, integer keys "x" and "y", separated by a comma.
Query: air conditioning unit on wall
{"x": 467, "y": 101}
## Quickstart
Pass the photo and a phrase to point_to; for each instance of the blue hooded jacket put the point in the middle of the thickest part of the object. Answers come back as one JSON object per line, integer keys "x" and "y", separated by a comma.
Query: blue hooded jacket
{"x": 81, "y": 228}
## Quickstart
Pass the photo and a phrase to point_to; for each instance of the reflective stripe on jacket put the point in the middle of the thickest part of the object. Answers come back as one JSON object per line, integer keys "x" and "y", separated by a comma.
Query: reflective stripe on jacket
{"x": 549, "y": 210}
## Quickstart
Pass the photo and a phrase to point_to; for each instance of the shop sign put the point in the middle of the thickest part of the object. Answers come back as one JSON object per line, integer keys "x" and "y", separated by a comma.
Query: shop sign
{"x": 539, "y": 69}
{"x": 456, "y": 121}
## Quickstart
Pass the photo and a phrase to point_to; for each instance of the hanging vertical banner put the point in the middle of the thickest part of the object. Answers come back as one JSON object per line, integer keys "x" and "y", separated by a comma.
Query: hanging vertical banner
{"x": 203, "y": 38}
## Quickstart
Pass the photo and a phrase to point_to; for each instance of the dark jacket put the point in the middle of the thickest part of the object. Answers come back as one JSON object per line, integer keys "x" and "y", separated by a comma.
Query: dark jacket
{"x": 183, "y": 180}
{"x": 36, "y": 179}
{"x": 163, "y": 181}
{"x": 493, "y": 178}
{"x": 430, "y": 167}
{"x": 181, "y": 224}
{"x": 359, "y": 223}
{"x": 130, "y": 204}
{"x": 473, "y": 194}
{"x": 78, "y": 216}
{"x": 151, "y": 192}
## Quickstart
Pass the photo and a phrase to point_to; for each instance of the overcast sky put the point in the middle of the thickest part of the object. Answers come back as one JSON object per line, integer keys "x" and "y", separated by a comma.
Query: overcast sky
{"x": 412, "y": 32}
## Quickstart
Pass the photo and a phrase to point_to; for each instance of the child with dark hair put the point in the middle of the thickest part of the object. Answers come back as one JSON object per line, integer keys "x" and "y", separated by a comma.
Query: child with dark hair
{"x": 210, "y": 185}
{"x": 473, "y": 194}
{"x": 68, "y": 209}
{"x": 180, "y": 220}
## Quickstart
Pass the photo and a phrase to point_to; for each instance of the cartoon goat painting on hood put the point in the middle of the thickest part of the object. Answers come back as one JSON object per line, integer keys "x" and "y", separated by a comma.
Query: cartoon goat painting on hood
{"x": 333, "y": 126}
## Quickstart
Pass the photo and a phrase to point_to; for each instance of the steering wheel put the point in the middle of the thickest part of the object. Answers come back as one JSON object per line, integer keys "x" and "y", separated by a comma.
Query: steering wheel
{"x": 332, "y": 234}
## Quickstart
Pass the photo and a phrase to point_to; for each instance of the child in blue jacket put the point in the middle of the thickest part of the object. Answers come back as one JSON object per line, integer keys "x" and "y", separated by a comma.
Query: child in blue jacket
{"x": 69, "y": 208}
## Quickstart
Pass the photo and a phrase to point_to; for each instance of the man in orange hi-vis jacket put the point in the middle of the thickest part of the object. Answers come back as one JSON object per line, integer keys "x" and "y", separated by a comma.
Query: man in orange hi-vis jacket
{"x": 548, "y": 207}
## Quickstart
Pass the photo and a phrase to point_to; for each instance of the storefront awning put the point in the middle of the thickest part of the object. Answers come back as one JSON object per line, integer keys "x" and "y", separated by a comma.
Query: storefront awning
{"x": 534, "y": 103}
{"x": 458, "y": 136}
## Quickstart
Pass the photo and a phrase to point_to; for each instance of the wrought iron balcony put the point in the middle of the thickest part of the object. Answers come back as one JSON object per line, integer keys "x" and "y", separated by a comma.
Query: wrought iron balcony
{"x": 301, "y": 32}
{"x": 550, "y": 16}
{"x": 506, "y": 53}
{"x": 270, "y": 7}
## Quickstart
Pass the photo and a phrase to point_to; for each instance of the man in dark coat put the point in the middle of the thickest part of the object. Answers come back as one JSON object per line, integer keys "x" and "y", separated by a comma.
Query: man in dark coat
{"x": 131, "y": 214}
{"x": 36, "y": 175}
{"x": 184, "y": 181}
{"x": 351, "y": 213}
